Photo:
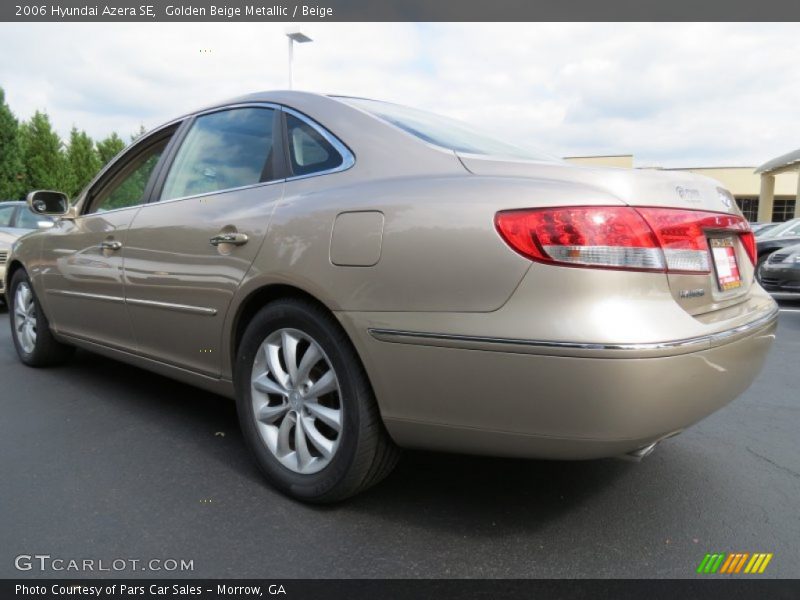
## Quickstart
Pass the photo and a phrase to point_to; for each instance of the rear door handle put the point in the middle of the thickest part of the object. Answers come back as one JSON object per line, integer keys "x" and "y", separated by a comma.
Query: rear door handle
{"x": 236, "y": 239}
{"x": 110, "y": 245}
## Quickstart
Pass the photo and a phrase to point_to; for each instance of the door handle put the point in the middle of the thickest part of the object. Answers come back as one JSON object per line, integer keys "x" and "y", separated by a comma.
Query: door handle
{"x": 110, "y": 245}
{"x": 235, "y": 239}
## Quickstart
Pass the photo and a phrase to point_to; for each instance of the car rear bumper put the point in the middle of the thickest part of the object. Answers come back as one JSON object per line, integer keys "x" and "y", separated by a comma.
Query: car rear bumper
{"x": 517, "y": 397}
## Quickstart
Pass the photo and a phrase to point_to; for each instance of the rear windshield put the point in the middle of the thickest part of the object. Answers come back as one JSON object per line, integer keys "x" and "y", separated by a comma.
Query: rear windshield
{"x": 447, "y": 133}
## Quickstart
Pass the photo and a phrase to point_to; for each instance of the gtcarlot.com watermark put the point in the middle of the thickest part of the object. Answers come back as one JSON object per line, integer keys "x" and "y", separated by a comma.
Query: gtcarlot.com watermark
{"x": 45, "y": 563}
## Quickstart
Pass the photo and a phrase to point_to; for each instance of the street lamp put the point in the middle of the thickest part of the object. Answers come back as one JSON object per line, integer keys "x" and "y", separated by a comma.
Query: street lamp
{"x": 300, "y": 38}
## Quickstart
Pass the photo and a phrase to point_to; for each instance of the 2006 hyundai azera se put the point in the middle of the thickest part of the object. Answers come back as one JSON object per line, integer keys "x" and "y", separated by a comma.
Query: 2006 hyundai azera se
{"x": 362, "y": 276}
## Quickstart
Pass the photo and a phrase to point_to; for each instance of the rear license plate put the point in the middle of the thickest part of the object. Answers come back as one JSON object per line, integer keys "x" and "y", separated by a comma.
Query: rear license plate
{"x": 725, "y": 265}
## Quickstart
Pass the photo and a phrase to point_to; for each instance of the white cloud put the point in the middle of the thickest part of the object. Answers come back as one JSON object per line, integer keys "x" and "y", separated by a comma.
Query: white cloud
{"x": 672, "y": 94}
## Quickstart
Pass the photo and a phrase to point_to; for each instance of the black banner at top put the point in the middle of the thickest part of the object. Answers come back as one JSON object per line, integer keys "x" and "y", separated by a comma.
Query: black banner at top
{"x": 398, "y": 10}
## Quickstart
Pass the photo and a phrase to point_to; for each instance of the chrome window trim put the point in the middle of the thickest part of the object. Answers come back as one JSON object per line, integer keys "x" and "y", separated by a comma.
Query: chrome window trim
{"x": 348, "y": 158}
{"x": 216, "y": 193}
{"x": 105, "y": 212}
{"x": 690, "y": 344}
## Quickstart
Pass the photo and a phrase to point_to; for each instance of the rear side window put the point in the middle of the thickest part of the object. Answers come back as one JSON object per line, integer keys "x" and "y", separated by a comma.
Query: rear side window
{"x": 6, "y": 212}
{"x": 309, "y": 151}
{"x": 223, "y": 150}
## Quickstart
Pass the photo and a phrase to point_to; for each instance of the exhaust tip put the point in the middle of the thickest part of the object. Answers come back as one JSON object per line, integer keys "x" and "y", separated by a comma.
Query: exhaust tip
{"x": 640, "y": 453}
{"x": 645, "y": 451}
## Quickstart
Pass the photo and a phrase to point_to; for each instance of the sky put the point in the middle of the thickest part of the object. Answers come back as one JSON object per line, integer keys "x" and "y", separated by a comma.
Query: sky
{"x": 674, "y": 95}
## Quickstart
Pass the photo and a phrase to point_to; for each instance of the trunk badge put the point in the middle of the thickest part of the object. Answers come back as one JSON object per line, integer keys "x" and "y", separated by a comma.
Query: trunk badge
{"x": 692, "y": 293}
{"x": 689, "y": 194}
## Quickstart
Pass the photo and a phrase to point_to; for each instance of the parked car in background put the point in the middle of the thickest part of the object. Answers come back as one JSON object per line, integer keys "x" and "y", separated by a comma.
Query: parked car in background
{"x": 780, "y": 273}
{"x": 16, "y": 217}
{"x": 761, "y": 229}
{"x": 363, "y": 276}
{"x": 782, "y": 236}
{"x": 6, "y": 239}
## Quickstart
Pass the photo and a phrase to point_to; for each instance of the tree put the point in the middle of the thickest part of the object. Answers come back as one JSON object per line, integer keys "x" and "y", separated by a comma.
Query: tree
{"x": 45, "y": 164}
{"x": 109, "y": 148}
{"x": 11, "y": 172}
{"x": 83, "y": 160}
{"x": 139, "y": 133}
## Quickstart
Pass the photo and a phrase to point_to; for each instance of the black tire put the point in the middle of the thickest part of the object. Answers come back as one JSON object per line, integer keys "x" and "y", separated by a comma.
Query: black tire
{"x": 365, "y": 452}
{"x": 761, "y": 260}
{"x": 46, "y": 350}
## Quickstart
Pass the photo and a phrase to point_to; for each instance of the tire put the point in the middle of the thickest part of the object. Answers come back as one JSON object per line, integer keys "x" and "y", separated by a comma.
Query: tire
{"x": 302, "y": 401}
{"x": 761, "y": 260}
{"x": 30, "y": 328}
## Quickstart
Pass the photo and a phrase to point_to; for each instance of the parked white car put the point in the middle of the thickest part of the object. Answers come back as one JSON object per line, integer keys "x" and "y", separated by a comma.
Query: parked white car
{"x": 6, "y": 239}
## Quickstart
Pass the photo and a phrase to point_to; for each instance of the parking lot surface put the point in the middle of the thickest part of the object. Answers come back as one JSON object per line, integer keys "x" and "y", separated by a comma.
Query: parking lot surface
{"x": 101, "y": 460}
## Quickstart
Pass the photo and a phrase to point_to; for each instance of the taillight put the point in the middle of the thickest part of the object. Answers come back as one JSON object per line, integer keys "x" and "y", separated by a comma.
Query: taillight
{"x": 599, "y": 236}
{"x": 619, "y": 237}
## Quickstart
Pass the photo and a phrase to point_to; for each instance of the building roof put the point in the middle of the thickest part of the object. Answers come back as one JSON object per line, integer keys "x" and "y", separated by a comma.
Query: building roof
{"x": 776, "y": 164}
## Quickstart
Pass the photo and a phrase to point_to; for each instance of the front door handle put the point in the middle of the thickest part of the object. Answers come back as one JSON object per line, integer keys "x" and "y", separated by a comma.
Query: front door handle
{"x": 235, "y": 239}
{"x": 110, "y": 245}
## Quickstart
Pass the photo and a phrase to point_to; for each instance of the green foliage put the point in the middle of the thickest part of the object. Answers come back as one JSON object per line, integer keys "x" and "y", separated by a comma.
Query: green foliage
{"x": 45, "y": 162}
{"x": 33, "y": 157}
{"x": 12, "y": 186}
{"x": 83, "y": 160}
{"x": 109, "y": 147}
{"x": 131, "y": 190}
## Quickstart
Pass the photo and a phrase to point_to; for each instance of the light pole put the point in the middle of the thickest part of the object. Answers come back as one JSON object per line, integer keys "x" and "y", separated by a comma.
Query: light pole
{"x": 300, "y": 38}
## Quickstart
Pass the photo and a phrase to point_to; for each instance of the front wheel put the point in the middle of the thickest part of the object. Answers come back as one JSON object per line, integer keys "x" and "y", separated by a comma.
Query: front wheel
{"x": 30, "y": 329}
{"x": 306, "y": 407}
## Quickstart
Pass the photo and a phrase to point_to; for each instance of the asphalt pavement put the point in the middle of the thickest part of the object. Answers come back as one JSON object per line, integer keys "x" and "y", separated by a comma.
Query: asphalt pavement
{"x": 103, "y": 461}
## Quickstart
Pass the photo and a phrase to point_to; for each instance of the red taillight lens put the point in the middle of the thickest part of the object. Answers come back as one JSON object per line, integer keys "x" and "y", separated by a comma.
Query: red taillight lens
{"x": 749, "y": 242}
{"x": 683, "y": 235}
{"x": 619, "y": 237}
{"x": 601, "y": 236}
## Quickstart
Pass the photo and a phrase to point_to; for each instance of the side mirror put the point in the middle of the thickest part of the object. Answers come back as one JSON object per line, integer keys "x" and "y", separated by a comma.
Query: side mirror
{"x": 49, "y": 203}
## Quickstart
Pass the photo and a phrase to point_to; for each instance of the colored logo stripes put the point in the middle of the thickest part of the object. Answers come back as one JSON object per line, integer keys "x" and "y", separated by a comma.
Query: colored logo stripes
{"x": 737, "y": 562}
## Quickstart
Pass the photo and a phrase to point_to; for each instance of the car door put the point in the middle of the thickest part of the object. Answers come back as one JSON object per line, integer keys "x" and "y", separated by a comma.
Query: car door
{"x": 187, "y": 250}
{"x": 82, "y": 270}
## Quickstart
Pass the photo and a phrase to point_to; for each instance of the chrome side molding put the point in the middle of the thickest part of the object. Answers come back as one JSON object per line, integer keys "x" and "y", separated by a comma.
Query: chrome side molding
{"x": 493, "y": 343}
{"x": 187, "y": 308}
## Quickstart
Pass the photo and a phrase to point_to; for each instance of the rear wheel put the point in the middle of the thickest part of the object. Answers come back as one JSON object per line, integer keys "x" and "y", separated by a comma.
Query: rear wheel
{"x": 306, "y": 406}
{"x": 30, "y": 329}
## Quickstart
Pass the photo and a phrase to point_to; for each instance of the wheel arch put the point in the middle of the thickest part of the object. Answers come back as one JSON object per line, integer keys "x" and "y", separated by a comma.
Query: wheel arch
{"x": 259, "y": 297}
{"x": 12, "y": 267}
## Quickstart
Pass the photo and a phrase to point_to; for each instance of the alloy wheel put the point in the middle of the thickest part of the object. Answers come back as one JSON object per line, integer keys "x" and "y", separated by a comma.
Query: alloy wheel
{"x": 25, "y": 317}
{"x": 296, "y": 401}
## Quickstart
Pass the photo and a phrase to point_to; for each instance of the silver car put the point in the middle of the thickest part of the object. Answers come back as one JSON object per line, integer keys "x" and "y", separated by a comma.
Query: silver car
{"x": 362, "y": 276}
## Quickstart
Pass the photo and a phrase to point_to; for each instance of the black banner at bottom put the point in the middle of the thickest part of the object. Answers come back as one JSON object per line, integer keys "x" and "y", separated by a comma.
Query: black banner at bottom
{"x": 401, "y": 589}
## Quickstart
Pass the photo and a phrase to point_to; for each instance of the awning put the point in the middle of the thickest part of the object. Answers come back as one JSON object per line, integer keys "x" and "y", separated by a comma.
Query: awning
{"x": 782, "y": 162}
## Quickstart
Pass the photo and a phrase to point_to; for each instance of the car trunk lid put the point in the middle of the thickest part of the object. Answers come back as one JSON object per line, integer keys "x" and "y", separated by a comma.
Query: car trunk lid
{"x": 728, "y": 277}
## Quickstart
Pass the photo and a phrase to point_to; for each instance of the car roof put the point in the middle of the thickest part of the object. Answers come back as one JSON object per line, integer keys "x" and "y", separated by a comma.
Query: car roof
{"x": 287, "y": 97}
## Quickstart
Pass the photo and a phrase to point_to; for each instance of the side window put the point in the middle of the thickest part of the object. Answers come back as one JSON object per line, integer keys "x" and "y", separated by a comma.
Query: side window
{"x": 29, "y": 220}
{"x": 127, "y": 187}
{"x": 6, "y": 212}
{"x": 223, "y": 150}
{"x": 792, "y": 232}
{"x": 309, "y": 151}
